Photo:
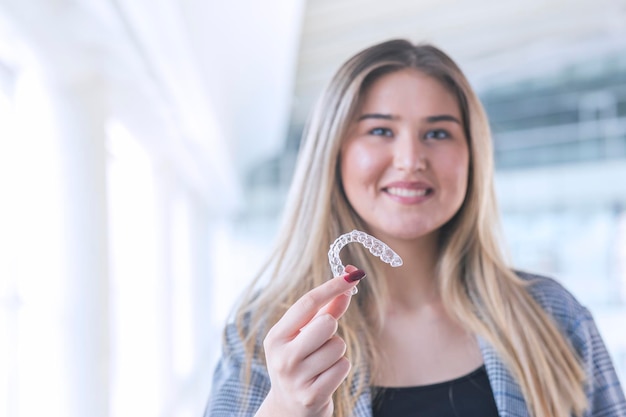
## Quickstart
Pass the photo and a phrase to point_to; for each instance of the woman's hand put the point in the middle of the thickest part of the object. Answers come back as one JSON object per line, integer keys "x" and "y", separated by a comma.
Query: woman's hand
{"x": 305, "y": 359}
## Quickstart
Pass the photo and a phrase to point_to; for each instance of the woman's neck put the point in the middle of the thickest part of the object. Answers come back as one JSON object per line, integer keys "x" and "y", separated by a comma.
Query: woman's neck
{"x": 414, "y": 284}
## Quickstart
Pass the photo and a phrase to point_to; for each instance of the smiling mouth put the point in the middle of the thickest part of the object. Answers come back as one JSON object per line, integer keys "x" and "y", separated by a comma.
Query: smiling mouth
{"x": 408, "y": 192}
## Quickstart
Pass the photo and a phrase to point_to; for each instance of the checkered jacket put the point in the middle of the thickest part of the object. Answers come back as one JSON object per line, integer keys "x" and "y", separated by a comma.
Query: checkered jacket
{"x": 606, "y": 396}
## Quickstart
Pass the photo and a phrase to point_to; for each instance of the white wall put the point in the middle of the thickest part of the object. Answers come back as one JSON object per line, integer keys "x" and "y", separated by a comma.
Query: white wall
{"x": 152, "y": 111}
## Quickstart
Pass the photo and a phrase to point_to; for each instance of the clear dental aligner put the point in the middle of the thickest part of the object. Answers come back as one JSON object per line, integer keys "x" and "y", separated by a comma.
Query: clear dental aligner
{"x": 375, "y": 246}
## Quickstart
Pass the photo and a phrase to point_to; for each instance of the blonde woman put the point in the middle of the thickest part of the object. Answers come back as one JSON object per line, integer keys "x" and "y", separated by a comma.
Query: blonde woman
{"x": 399, "y": 147}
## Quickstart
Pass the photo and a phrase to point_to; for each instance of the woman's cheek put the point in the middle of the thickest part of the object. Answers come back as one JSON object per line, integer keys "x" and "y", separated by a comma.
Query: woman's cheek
{"x": 363, "y": 160}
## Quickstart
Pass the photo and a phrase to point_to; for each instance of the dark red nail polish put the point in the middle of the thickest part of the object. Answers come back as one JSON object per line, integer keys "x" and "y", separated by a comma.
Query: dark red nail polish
{"x": 355, "y": 275}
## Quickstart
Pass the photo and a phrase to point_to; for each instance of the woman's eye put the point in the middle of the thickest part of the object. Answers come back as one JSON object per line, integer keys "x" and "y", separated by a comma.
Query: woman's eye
{"x": 381, "y": 131}
{"x": 437, "y": 134}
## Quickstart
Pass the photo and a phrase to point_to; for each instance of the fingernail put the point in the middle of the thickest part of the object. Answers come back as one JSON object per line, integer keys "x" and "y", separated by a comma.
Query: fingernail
{"x": 355, "y": 275}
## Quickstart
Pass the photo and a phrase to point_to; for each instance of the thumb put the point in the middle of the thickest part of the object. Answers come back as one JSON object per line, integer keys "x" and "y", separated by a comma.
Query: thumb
{"x": 339, "y": 305}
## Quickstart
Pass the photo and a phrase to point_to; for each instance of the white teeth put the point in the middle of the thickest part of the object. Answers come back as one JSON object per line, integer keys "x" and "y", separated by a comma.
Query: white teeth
{"x": 405, "y": 192}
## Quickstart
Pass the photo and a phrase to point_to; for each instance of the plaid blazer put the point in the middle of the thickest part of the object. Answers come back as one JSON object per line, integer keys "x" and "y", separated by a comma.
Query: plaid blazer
{"x": 606, "y": 397}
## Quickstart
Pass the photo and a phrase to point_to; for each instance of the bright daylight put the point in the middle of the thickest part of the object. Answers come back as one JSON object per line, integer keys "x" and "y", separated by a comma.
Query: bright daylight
{"x": 170, "y": 191}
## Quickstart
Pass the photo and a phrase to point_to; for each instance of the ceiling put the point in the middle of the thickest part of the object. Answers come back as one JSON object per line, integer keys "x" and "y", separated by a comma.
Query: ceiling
{"x": 493, "y": 41}
{"x": 212, "y": 87}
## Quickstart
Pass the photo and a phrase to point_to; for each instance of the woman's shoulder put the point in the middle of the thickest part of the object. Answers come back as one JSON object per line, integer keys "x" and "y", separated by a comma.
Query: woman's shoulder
{"x": 556, "y": 300}
{"x": 238, "y": 334}
{"x": 244, "y": 324}
{"x": 603, "y": 387}
{"x": 240, "y": 380}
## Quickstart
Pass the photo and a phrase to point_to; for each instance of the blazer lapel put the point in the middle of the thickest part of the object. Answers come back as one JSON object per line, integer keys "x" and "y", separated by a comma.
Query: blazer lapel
{"x": 363, "y": 406}
{"x": 506, "y": 391}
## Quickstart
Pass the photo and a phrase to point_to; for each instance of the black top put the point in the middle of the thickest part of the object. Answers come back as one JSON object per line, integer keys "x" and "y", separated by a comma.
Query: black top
{"x": 467, "y": 396}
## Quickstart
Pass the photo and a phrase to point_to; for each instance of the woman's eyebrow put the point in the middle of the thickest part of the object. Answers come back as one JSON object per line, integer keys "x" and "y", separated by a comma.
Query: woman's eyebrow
{"x": 376, "y": 116}
{"x": 429, "y": 119}
{"x": 443, "y": 118}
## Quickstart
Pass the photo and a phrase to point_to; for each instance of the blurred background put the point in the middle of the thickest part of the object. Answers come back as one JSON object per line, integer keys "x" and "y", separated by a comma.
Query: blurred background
{"x": 146, "y": 148}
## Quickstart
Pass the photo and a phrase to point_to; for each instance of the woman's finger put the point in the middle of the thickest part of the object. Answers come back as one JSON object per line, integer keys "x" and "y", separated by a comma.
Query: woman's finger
{"x": 323, "y": 358}
{"x": 313, "y": 336}
{"x": 328, "y": 381}
{"x": 303, "y": 310}
{"x": 339, "y": 305}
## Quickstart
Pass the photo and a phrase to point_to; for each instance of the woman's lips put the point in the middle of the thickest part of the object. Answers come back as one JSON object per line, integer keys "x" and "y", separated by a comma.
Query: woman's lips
{"x": 408, "y": 193}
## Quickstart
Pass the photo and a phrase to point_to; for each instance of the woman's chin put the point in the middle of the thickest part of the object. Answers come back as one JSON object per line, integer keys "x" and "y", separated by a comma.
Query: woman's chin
{"x": 405, "y": 234}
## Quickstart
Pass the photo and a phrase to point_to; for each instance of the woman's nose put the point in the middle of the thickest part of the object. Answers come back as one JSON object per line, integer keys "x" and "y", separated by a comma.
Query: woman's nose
{"x": 409, "y": 155}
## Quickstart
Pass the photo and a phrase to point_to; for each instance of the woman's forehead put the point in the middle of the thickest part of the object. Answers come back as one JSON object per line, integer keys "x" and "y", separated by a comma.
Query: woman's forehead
{"x": 407, "y": 90}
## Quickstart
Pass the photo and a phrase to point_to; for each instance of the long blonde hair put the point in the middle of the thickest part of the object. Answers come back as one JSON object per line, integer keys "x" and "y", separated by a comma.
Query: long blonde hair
{"x": 476, "y": 285}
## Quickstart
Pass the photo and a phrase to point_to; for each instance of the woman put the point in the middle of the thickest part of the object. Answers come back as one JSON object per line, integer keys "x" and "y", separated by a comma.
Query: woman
{"x": 399, "y": 146}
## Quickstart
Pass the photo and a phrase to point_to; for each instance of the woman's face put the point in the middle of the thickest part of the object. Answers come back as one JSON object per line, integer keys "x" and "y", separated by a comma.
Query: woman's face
{"x": 405, "y": 160}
